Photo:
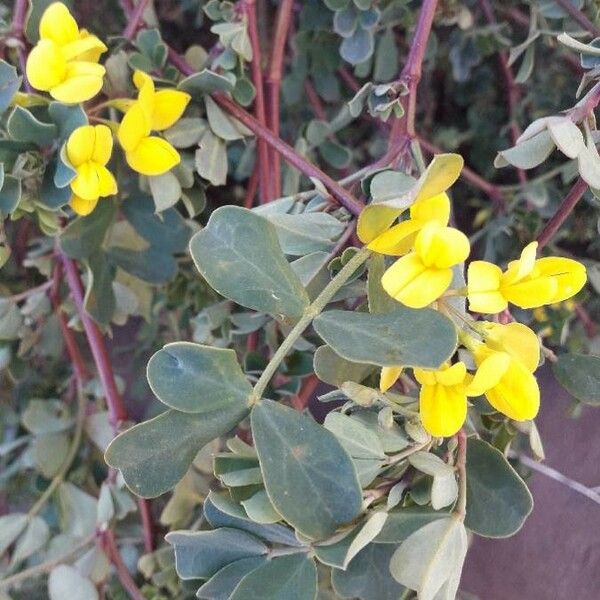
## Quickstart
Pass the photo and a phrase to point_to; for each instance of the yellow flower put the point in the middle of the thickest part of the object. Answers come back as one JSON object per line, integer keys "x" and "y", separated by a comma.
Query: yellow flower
{"x": 422, "y": 276}
{"x": 88, "y": 150}
{"x": 506, "y": 362}
{"x": 64, "y": 61}
{"x": 443, "y": 397}
{"x": 388, "y": 377}
{"x": 145, "y": 153}
{"x": 400, "y": 238}
{"x": 527, "y": 282}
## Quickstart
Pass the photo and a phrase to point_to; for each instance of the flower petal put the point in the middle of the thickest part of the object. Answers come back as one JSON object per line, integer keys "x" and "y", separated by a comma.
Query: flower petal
{"x": 443, "y": 409}
{"x": 153, "y": 156}
{"x": 83, "y": 81}
{"x": 80, "y": 145}
{"x": 46, "y": 67}
{"x": 86, "y": 184}
{"x": 103, "y": 145}
{"x": 57, "y": 24}
{"x": 168, "y": 108}
{"x": 530, "y": 293}
{"x": 82, "y": 207}
{"x": 452, "y": 375}
{"x": 435, "y": 208}
{"x": 483, "y": 287}
{"x": 388, "y": 377}
{"x": 83, "y": 48}
{"x": 518, "y": 269}
{"x": 441, "y": 247}
{"x": 517, "y": 340}
{"x": 397, "y": 240}
{"x": 489, "y": 372}
{"x": 134, "y": 127}
{"x": 108, "y": 185}
{"x": 569, "y": 274}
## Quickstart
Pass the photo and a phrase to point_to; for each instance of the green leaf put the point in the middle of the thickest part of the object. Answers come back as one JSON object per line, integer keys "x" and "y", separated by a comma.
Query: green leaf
{"x": 528, "y": 154}
{"x": 200, "y": 554}
{"x": 24, "y": 127}
{"x": 498, "y": 501}
{"x": 84, "y": 236}
{"x": 197, "y": 379}
{"x": 221, "y": 124}
{"x": 50, "y": 195}
{"x": 67, "y": 118}
{"x": 64, "y": 173}
{"x": 10, "y": 83}
{"x": 10, "y": 194}
{"x": 186, "y": 132}
{"x": 403, "y": 522}
{"x": 579, "y": 374}
{"x": 211, "y": 158}
{"x": 403, "y": 337}
{"x": 100, "y": 301}
{"x": 386, "y": 57}
{"x": 299, "y": 459}
{"x": 151, "y": 265}
{"x": 66, "y": 582}
{"x": 379, "y": 300}
{"x": 331, "y": 368}
{"x": 205, "y": 82}
{"x": 357, "y": 439}
{"x": 430, "y": 557}
{"x": 368, "y": 576}
{"x": 240, "y": 257}
{"x": 165, "y": 189}
{"x": 34, "y": 538}
{"x": 221, "y": 585}
{"x": 260, "y": 509}
{"x": 11, "y": 527}
{"x": 153, "y": 456}
{"x": 291, "y": 577}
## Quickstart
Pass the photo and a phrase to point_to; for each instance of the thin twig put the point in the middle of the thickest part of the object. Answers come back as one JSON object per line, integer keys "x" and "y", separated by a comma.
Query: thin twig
{"x": 302, "y": 398}
{"x": 461, "y": 467}
{"x": 259, "y": 102}
{"x": 561, "y": 215}
{"x": 135, "y": 19}
{"x": 110, "y": 545}
{"x": 578, "y": 17}
{"x": 273, "y": 82}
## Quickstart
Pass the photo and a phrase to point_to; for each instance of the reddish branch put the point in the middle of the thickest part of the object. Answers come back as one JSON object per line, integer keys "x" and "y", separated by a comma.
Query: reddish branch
{"x": 18, "y": 31}
{"x": 578, "y": 16}
{"x": 273, "y": 82}
{"x": 134, "y": 20}
{"x": 112, "y": 551}
{"x": 259, "y": 102}
{"x": 404, "y": 128}
{"x": 302, "y": 398}
{"x": 563, "y": 212}
{"x": 513, "y": 93}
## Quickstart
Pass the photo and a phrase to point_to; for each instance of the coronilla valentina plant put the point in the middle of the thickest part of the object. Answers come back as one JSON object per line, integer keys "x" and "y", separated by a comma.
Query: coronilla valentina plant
{"x": 261, "y": 336}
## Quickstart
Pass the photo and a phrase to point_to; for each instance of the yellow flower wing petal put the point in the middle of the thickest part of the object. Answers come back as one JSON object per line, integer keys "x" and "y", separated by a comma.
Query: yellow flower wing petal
{"x": 489, "y": 373}
{"x": 103, "y": 144}
{"x": 82, "y": 82}
{"x": 440, "y": 174}
{"x": 441, "y": 247}
{"x": 569, "y": 274}
{"x": 107, "y": 183}
{"x": 153, "y": 156}
{"x": 374, "y": 220}
{"x": 82, "y": 207}
{"x": 143, "y": 82}
{"x": 86, "y": 184}
{"x": 168, "y": 108}
{"x": 388, "y": 377}
{"x": 518, "y": 340}
{"x": 519, "y": 269}
{"x": 94, "y": 53}
{"x": 483, "y": 288}
{"x": 443, "y": 409}
{"x": 436, "y": 208}
{"x": 80, "y": 145}
{"x": 84, "y": 47}
{"x": 46, "y": 68}
{"x": 452, "y": 375}
{"x": 57, "y": 24}
{"x": 397, "y": 240}
{"x": 530, "y": 293}
{"x": 517, "y": 394}
{"x": 133, "y": 128}
{"x": 424, "y": 376}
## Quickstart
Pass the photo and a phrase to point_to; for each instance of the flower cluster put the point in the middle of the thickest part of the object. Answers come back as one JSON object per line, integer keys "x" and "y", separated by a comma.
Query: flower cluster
{"x": 504, "y": 356}
{"x": 64, "y": 63}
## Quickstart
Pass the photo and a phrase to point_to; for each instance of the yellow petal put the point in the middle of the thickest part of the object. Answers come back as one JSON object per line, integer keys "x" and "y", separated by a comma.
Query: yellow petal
{"x": 46, "y": 67}
{"x": 84, "y": 47}
{"x": 441, "y": 247}
{"x": 57, "y": 24}
{"x": 82, "y": 207}
{"x": 103, "y": 145}
{"x": 483, "y": 288}
{"x": 86, "y": 184}
{"x": 168, "y": 108}
{"x": 490, "y": 371}
{"x": 413, "y": 284}
{"x": 425, "y": 377}
{"x": 436, "y": 208}
{"x": 517, "y": 340}
{"x": 107, "y": 183}
{"x": 134, "y": 127}
{"x": 443, "y": 409}
{"x": 388, "y": 377}
{"x": 94, "y": 53}
{"x": 83, "y": 81}
{"x": 80, "y": 145}
{"x": 374, "y": 220}
{"x": 440, "y": 174}
{"x": 146, "y": 94}
{"x": 452, "y": 375}
{"x": 517, "y": 394}
{"x": 529, "y": 293}
{"x": 153, "y": 156}
{"x": 397, "y": 240}
{"x": 518, "y": 269}
{"x": 569, "y": 274}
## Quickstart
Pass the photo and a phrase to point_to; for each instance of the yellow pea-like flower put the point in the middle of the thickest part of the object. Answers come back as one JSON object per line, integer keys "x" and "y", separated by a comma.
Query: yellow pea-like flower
{"x": 388, "y": 377}
{"x": 149, "y": 154}
{"x": 64, "y": 61}
{"x": 88, "y": 150}
{"x": 527, "y": 282}
{"x": 423, "y": 275}
{"x": 400, "y": 238}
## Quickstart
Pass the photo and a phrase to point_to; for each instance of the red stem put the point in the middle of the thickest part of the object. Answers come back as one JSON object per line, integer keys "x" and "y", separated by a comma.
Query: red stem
{"x": 251, "y": 189}
{"x": 564, "y": 210}
{"x": 147, "y": 524}
{"x": 273, "y": 82}
{"x": 302, "y": 398}
{"x": 116, "y": 408}
{"x": 314, "y": 100}
{"x": 111, "y": 549}
{"x": 135, "y": 19}
{"x": 259, "y": 102}
{"x": 578, "y": 17}
{"x": 411, "y": 74}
